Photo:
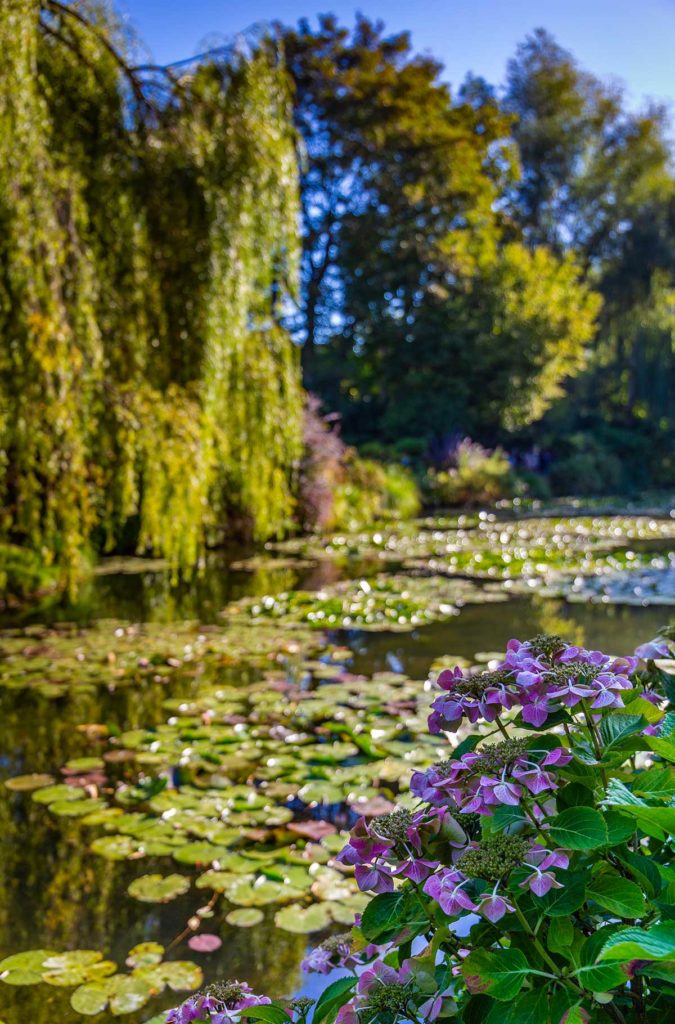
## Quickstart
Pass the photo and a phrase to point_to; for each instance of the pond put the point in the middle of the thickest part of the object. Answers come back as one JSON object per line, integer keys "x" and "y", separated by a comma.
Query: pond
{"x": 184, "y": 760}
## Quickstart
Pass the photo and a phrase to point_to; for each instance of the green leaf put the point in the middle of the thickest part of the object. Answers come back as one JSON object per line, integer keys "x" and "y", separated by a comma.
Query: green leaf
{"x": 619, "y": 827}
{"x": 656, "y": 783}
{"x": 655, "y": 821}
{"x": 664, "y": 747}
{"x": 561, "y": 902}
{"x": 332, "y": 998}
{"x": 28, "y": 783}
{"x": 128, "y": 994}
{"x": 560, "y": 934}
{"x": 303, "y": 920}
{"x": 655, "y": 943}
{"x": 499, "y": 975}
{"x": 579, "y": 828}
{"x": 388, "y": 913}
{"x": 643, "y": 868}
{"x": 89, "y": 999}
{"x": 245, "y": 917}
{"x": 527, "y": 1008}
{"x": 614, "y": 729}
{"x": 158, "y": 888}
{"x": 273, "y": 1014}
{"x": 617, "y": 894}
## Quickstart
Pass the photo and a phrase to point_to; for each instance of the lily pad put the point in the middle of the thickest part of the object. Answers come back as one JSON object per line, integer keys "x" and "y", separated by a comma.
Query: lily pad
{"x": 28, "y": 783}
{"x": 204, "y": 943}
{"x": 245, "y": 917}
{"x": 158, "y": 888}
{"x": 303, "y": 920}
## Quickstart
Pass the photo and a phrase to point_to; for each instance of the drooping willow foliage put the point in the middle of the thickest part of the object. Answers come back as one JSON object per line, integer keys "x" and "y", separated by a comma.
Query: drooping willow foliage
{"x": 148, "y": 244}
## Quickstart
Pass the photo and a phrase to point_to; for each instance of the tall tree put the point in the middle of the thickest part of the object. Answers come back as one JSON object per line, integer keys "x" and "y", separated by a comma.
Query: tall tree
{"x": 597, "y": 180}
{"x": 408, "y": 290}
{"x": 148, "y": 244}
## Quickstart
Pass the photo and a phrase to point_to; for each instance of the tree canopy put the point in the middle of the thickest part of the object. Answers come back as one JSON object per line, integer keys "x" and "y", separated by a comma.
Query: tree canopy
{"x": 424, "y": 312}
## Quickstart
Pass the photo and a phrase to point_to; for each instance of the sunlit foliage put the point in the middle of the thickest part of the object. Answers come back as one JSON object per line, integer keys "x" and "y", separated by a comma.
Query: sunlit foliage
{"x": 148, "y": 243}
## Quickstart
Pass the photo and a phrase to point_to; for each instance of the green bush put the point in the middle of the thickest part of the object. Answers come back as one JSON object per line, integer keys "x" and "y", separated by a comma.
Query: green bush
{"x": 23, "y": 574}
{"x": 370, "y": 491}
{"x": 477, "y": 476}
{"x": 586, "y": 473}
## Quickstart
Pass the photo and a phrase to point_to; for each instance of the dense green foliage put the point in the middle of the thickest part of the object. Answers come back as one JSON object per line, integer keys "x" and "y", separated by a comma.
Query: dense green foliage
{"x": 474, "y": 260}
{"x": 484, "y": 264}
{"x": 598, "y": 181}
{"x": 443, "y": 320}
{"x": 147, "y": 391}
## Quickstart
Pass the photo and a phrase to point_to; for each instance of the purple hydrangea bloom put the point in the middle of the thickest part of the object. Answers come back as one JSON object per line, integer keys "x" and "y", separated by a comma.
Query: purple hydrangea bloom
{"x": 446, "y": 888}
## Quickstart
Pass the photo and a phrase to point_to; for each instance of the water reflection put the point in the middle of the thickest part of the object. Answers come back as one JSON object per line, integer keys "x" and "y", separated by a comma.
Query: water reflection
{"x": 54, "y": 893}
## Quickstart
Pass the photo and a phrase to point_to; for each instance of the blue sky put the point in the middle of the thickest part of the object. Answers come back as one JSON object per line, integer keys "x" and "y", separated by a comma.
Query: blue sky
{"x": 630, "y": 40}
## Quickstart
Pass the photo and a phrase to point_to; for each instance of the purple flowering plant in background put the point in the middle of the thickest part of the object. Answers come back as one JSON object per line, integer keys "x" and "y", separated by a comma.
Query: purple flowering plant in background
{"x": 528, "y": 875}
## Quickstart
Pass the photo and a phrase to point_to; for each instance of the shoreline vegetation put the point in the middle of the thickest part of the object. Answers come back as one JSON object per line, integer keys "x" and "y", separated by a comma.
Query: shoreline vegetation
{"x": 297, "y": 283}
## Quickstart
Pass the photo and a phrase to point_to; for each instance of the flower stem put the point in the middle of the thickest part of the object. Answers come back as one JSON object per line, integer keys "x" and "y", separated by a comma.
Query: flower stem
{"x": 535, "y": 941}
{"x": 594, "y": 739}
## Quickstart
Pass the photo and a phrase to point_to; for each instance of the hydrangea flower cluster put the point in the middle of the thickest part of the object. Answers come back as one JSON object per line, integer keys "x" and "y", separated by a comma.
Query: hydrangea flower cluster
{"x": 392, "y": 846}
{"x": 219, "y": 1004}
{"x": 536, "y": 843}
{"x": 537, "y": 677}
{"x": 500, "y": 773}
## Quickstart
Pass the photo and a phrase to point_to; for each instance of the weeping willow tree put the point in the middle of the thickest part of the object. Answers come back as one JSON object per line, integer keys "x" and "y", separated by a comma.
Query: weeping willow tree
{"x": 148, "y": 245}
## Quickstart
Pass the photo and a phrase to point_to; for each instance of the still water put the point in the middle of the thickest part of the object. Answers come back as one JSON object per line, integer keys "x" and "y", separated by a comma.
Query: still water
{"x": 55, "y": 894}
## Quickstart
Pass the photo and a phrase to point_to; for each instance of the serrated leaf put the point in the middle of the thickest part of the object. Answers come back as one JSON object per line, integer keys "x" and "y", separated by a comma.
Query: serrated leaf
{"x": 579, "y": 828}
{"x": 562, "y": 902}
{"x": 499, "y": 975}
{"x": 616, "y": 894}
{"x": 655, "y": 943}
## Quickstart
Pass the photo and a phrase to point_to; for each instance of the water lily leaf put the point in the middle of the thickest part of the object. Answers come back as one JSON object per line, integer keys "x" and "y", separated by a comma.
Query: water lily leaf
{"x": 204, "y": 943}
{"x": 340, "y": 913}
{"x": 245, "y": 917}
{"x": 28, "y": 783}
{"x": 320, "y": 793}
{"x": 184, "y": 976}
{"x": 312, "y": 829}
{"x": 84, "y": 764}
{"x": 220, "y": 881}
{"x": 21, "y": 976}
{"x": 303, "y": 920}
{"x": 128, "y": 993}
{"x": 199, "y": 853}
{"x": 145, "y": 954}
{"x": 114, "y": 847}
{"x": 50, "y": 794}
{"x": 331, "y": 885}
{"x": 76, "y": 808}
{"x": 334, "y": 843}
{"x": 89, "y": 1000}
{"x": 31, "y": 960}
{"x": 158, "y": 888}
{"x": 259, "y": 893}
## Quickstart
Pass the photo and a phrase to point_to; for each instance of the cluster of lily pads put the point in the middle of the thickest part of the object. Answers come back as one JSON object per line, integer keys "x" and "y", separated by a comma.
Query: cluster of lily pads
{"x": 248, "y": 786}
{"x": 523, "y": 552}
{"x": 97, "y": 984}
{"x": 385, "y": 601}
{"x": 242, "y": 795}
